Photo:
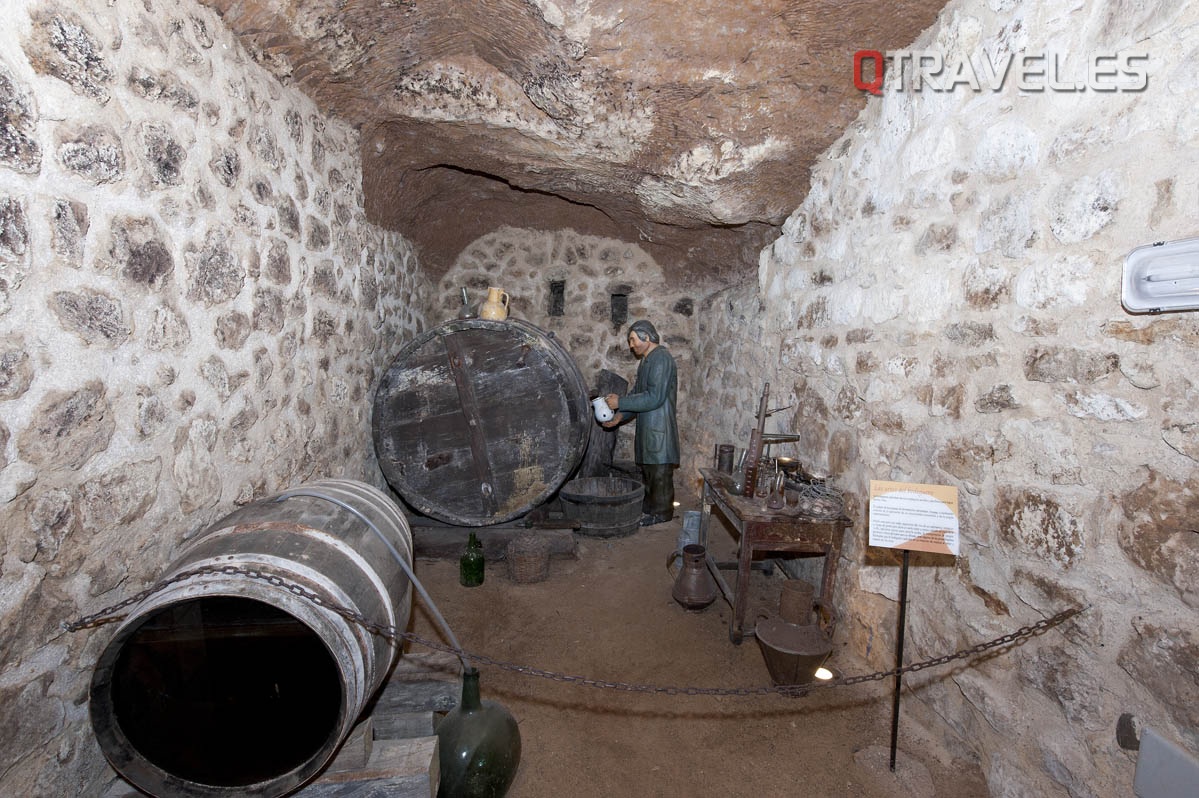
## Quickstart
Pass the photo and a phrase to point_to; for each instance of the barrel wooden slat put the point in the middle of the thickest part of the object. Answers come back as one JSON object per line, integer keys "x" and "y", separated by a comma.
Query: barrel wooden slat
{"x": 528, "y": 404}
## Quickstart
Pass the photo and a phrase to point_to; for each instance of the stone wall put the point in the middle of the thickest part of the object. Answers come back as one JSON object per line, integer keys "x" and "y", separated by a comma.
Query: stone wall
{"x": 193, "y": 314}
{"x": 733, "y": 367}
{"x": 606, "y": 285}
{"x": 945, "y": 308}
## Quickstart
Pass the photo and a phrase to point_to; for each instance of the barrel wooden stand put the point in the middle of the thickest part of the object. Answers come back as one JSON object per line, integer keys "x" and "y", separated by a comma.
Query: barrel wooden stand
{"x": 393, "y": 752}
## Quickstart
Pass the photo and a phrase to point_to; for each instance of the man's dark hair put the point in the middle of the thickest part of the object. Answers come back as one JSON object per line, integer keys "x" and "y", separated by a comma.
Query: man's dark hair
{"x": 645, "y": 331}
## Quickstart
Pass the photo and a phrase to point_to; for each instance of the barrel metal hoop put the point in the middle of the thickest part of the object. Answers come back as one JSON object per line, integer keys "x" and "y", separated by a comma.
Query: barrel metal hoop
{"x": 312, "y": 494}
{"x": 394, "y": 552}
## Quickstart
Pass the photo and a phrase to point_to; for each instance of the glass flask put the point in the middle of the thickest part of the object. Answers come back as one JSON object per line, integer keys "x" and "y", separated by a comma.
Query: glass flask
{"x": 777, "y": 499}
{"x": 467, "y": 311}
{"x": 479, "y": 746}
{"x": 739, "y": 476}
{"x": 765, "y": 478}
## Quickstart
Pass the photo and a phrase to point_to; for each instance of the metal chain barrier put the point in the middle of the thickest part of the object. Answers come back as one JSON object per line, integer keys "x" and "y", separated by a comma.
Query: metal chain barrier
{"x": 111, "y": 615}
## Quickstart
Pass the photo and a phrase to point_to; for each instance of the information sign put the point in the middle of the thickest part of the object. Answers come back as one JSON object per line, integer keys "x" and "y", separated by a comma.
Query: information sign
{"x": 905, "y": 515}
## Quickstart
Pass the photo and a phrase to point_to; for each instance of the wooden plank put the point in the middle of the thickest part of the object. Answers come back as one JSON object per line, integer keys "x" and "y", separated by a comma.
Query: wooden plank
{"x": 355, "y": 752}
{"x": 397, "y": 769}
{"x": 426, "y": 665}
{"x": 399, "y": 725}
{"x": 403, "y": 756}
{"x": 421, "y": 682}
{"x": 469, "y": 405}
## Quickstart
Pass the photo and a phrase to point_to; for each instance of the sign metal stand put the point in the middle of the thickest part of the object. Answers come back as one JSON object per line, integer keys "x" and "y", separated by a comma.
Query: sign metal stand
{"x": 903, "y": 617}
{"x": 910, "y": 517}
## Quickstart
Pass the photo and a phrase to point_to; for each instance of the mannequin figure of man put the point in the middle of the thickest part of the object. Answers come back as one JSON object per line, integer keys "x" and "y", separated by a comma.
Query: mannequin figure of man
{"x": 652, "y": 403}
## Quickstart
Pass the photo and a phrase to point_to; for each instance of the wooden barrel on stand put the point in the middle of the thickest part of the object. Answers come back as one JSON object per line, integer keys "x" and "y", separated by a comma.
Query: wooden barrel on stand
{"x": 477, "y": 422}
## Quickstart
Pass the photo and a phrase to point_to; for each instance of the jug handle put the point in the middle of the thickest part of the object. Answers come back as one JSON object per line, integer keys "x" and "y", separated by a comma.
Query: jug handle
{"x": 670, "y": 558}
{"x": 505, "y": 299}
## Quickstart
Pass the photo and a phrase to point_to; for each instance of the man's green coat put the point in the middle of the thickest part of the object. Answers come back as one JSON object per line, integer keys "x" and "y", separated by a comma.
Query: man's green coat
{"x": 653, "y": 400}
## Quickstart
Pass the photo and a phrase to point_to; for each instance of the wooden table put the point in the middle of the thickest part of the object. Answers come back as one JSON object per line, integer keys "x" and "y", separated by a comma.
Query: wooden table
{"x": 769, "y": 530}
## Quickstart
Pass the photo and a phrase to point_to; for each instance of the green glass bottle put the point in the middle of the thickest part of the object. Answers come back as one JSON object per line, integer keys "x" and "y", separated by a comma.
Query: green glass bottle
{"x": 479, "y": 746}
{"x": 470, "y": 566}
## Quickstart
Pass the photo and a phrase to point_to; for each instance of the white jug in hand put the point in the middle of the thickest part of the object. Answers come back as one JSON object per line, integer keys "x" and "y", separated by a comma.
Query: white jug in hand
{"x": 603, "y": 413}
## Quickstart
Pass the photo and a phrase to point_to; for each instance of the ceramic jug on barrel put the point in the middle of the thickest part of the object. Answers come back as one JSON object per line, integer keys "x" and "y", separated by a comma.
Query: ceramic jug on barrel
{"x": 496, "y": 306}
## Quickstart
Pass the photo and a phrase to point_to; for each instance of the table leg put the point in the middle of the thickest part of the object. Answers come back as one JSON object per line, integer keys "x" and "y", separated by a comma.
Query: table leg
{"x": 704, "y": 518}
{"x": 828, "y": 579}
{"x": 744, "y": 560}
{"x": 714, "y": 569}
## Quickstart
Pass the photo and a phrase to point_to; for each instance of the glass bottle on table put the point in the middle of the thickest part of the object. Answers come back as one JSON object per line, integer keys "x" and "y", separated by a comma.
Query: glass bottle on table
{"x": 750, "y": 483}
{"x": 467, "y": 311}
{"x": 765, "y": 480}
{"x": 777, "y": 498}
{"x": 739, "y": 475}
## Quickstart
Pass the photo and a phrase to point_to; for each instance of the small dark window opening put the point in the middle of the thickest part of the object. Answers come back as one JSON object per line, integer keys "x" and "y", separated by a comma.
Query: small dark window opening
{"x": 620, "y": 309}
{"x": 557, "y": 305}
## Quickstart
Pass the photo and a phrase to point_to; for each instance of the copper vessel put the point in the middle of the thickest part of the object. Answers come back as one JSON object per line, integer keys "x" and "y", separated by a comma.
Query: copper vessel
{"x": 694, "y": 587}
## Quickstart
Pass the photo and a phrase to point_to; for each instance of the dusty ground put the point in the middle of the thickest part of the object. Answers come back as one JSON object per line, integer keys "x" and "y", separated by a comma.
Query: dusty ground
{"x": 609, "y": 615}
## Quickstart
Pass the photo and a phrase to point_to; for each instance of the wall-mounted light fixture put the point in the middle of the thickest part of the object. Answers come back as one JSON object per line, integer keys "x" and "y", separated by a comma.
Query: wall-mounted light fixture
{"x": 1162, "y": 277}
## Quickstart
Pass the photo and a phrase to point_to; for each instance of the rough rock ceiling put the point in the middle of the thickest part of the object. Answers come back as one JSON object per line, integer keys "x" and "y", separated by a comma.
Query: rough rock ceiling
{"x": 689, "y": 127}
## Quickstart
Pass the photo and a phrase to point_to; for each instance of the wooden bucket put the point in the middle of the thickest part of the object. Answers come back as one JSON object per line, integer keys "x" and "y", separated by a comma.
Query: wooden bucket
{"x": 223, "y": 684}
{"x": 477, "y": 422}
{"x": 606, "y": 507}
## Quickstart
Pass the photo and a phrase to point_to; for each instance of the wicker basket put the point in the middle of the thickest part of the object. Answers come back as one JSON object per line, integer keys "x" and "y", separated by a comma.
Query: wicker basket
{"x": 528, "y": 558}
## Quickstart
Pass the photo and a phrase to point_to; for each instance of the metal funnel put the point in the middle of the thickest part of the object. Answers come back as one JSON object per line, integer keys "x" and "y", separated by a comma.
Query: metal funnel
{"x": 792, "y": 651}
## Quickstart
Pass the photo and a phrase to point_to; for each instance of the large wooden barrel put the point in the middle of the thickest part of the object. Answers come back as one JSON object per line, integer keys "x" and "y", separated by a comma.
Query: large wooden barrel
{"x": 228, "y": 685}
{"x": 477, "y": 422}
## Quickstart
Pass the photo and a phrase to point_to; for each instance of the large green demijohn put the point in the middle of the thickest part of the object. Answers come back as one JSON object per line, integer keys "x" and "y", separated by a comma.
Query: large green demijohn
{"x": 479, "y": 746}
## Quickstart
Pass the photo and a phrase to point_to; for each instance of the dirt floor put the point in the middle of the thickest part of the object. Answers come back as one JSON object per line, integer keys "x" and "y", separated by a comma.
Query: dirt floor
{"x": 609, "y": 615}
